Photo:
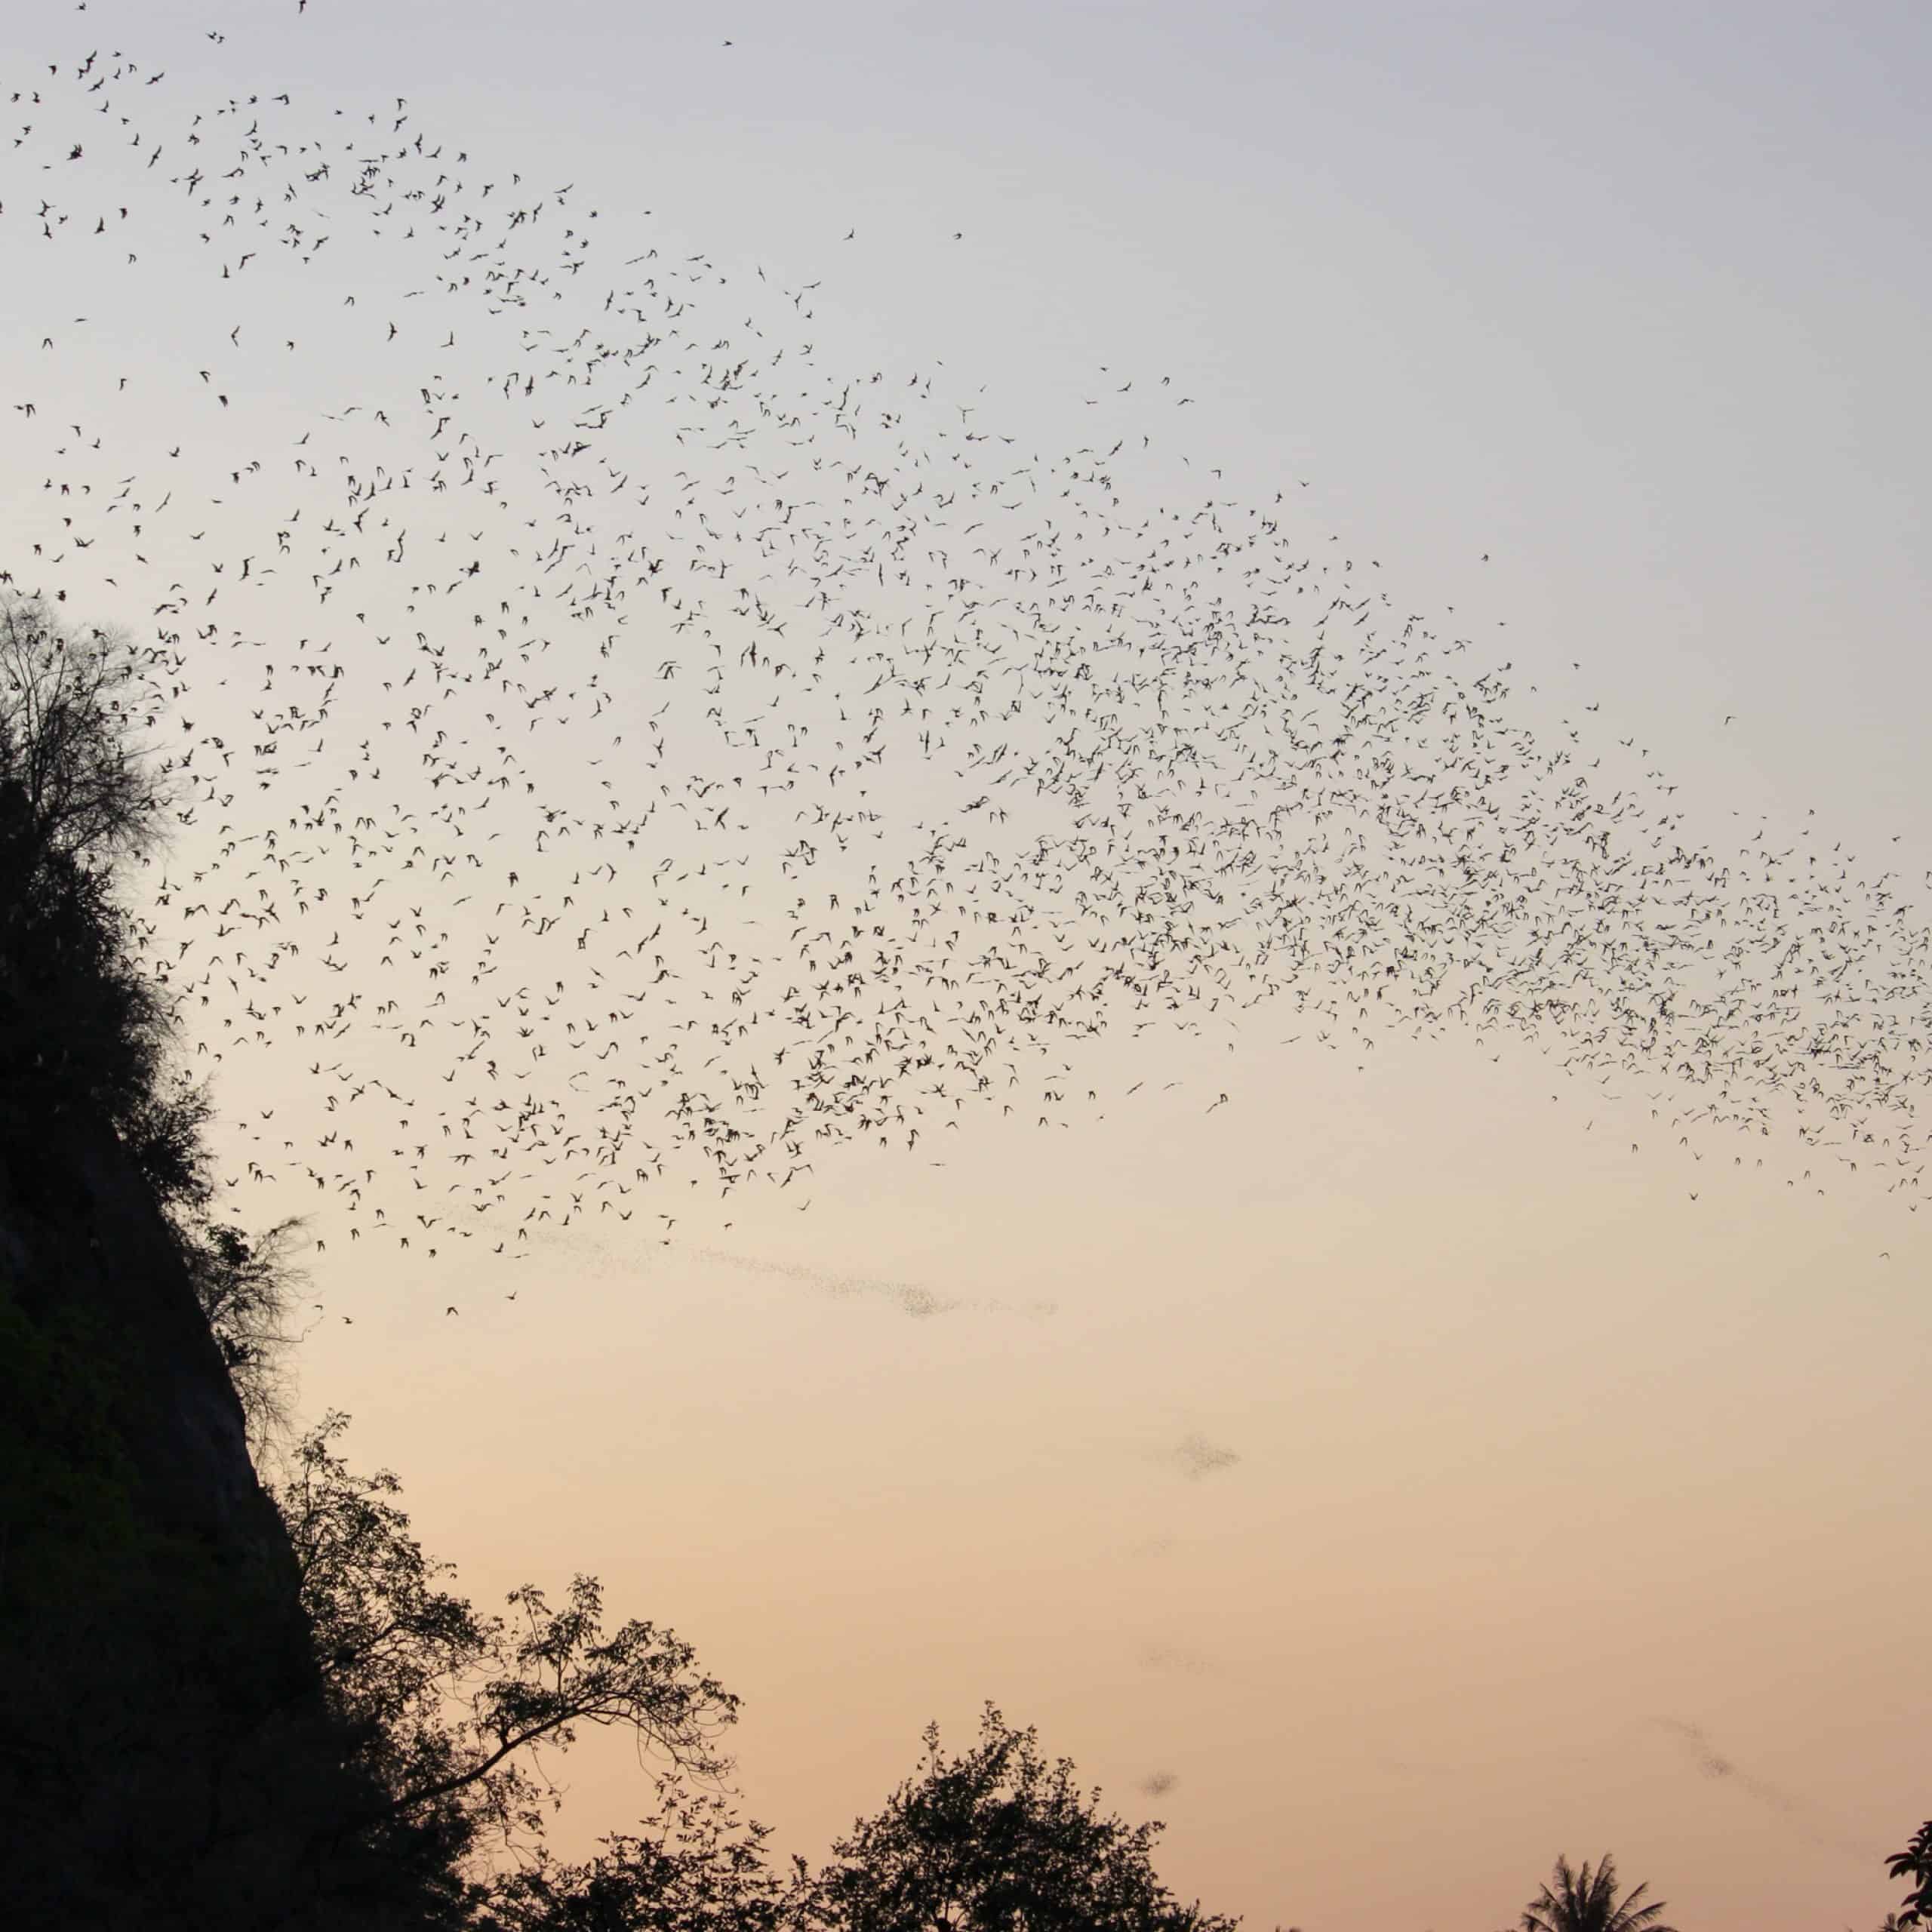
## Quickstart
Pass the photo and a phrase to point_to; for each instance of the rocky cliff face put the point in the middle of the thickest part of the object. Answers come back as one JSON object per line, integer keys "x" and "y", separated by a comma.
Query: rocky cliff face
{"x": 80, "y": 1232}
{"x": 168, "y": 1757}
{"x": 158, "y": 1705}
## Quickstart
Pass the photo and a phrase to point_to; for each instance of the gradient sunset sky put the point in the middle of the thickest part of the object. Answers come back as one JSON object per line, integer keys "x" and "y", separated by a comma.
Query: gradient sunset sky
{"x": 1420, "y": 1464}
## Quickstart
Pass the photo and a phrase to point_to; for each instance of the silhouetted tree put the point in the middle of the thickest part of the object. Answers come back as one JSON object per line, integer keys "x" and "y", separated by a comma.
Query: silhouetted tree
{"x": 449, "y": 1717}
{"x": 244, "y": 1284}
{"x": 996, "y": 1840}
{"x": 1915, "y": 1862}
{"x": 1582, "y": 1901}
{"x": 210, "y": 1718}
{"x": 153, "y": 1660}
{"x": 73, "y": 703}
{"x": 83, "y": 1028}
{"x": 693, "y": 1868}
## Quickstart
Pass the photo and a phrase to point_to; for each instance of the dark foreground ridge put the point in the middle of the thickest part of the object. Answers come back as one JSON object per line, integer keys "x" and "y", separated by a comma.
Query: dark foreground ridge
{"x": 162, "y": 1698}
{"x": 160, "y": 1693}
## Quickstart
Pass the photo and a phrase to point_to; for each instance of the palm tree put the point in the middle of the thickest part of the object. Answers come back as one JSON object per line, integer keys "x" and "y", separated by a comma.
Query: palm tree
{"x": 1585, "y": 1902}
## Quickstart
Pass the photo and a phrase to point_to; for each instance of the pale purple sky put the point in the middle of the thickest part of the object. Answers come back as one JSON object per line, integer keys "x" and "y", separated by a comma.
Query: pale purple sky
{"x": 1546, "y": 1483}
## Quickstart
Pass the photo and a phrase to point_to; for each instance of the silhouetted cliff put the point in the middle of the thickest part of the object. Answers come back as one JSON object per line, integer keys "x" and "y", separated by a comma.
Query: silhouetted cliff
{"x": 157, "y": 1671}
{"x": 167, "y": 1757}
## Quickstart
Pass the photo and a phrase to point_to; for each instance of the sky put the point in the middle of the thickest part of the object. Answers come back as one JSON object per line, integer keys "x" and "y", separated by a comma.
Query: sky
{"x": 1425, "y": 1459}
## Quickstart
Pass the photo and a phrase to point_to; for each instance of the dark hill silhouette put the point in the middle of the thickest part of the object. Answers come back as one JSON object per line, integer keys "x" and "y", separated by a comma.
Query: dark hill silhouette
{"x": 156, "y": 1680}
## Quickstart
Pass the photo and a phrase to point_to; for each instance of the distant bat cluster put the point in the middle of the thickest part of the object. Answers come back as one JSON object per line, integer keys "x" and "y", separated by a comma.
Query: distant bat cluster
{"x": 618, "y": 752}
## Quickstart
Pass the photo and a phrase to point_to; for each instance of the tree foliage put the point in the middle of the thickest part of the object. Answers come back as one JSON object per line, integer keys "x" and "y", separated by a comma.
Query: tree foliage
{"x": 341, "y": 1739}
{"x": 692, "y": 1868}
{"x": 72, "y": 705}
{"x": 244, "y": 1283}
{"x": 83, "y": 1028}
{"x": 1584, "y": 1901}
{"x": 1915, "y": 1863}
{"x": 452, "y": 1718}
{"x": 993, "y": 1840}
